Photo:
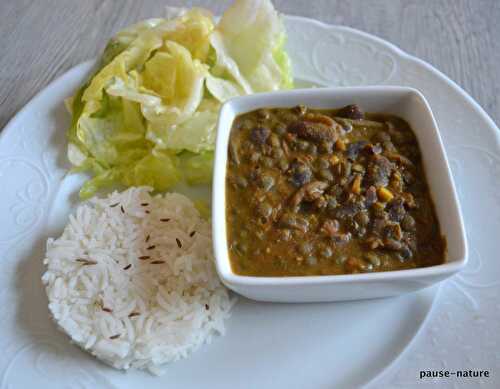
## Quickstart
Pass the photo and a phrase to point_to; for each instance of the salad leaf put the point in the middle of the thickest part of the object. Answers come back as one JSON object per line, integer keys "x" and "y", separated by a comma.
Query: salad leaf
{"x": 197, "y": 168}
{"x": 158, "y": 170}
{"x": 251, "y": 34}
{"x": 105, "y": 179}
{"x": 195, "y": 134}
{"x": 249, "y": 29}
{"x": 192, "y": 31}
{"x": 148, "y": 114}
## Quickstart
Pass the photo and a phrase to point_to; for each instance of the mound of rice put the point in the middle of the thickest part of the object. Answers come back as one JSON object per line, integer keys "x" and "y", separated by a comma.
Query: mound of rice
{"x": 132, "y": 279}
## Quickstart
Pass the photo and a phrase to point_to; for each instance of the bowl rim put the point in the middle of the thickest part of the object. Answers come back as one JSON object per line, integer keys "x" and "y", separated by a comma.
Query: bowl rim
{"x": 218, "y": 193}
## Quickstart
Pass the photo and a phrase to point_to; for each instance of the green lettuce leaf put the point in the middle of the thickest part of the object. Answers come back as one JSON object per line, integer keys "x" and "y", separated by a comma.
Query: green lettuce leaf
{"x": 158, "y": 170}
{"x": 148, "y": 114}
{"x": 197, "y": 168}
{"x": 249, "y": 42}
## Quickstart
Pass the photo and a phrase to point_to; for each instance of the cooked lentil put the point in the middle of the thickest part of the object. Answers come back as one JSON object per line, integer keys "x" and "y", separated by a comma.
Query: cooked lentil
{"x": 315, "y": 192}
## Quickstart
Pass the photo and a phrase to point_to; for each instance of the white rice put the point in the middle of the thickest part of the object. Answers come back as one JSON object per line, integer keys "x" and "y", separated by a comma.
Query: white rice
{"x": 132, "y": 312}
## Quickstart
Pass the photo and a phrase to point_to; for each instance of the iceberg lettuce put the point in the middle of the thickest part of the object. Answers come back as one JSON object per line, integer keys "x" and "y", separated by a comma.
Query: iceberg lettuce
{"x": 148, "y": 114}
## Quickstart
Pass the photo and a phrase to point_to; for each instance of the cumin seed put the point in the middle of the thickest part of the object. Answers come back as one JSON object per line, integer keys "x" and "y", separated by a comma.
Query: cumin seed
{"x": 127, "y": 267}
{"x": 147, "y": 238}
{"x": 144, "y": 257}
{"x": 165, "y": 220}
{"x": 132, "y": 314}
{"x": 109, "y": 310}
{"x": 207, "y": 307}
{"x": 179, "y": 244}
{"x": 115, "y": 336}
{"x": 144, "y": 204}
{"x": 114, "y": 205}
{"x": 192, "y": 233}
{"x": 86, "y": 262}
{"x": 157, "y": 262}
{"x": 121, "y": 208}
{"x": 151, "y": 247}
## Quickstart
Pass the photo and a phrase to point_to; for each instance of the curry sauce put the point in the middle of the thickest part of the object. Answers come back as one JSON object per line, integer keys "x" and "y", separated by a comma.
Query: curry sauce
{"x": 322, "y": 192}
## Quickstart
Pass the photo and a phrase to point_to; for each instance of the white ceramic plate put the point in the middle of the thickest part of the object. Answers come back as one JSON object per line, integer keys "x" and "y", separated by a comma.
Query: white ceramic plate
{"x": 267, "y": 345}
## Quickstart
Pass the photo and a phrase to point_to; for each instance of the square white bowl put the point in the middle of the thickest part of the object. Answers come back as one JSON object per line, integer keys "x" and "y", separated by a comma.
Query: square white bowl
{"x": 407, "y": 103}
